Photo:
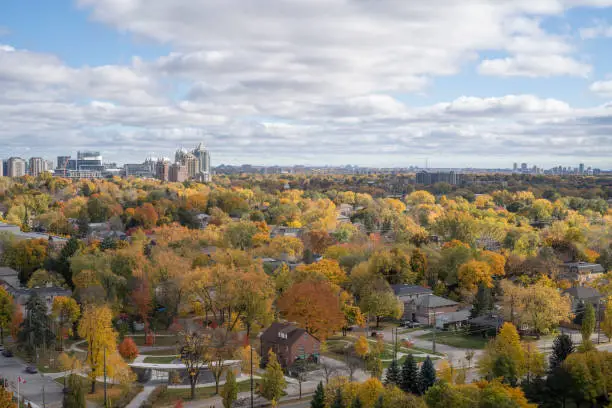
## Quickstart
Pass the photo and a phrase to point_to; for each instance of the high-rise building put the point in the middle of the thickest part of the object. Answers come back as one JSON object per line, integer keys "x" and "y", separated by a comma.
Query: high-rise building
{"x": 16, "y": 167}
{"x": 38, "y": 165}
{"x": 581, "y": 168}
{"x": 515, "y": 167}
{"x": 203, "y": 156}
{"x": 1, "y": 168}
{"x": 177, "y": 173}
{"x": 524, "y": 167}
{"x": 162, "y": 169}
{"x": 424, "y": 177}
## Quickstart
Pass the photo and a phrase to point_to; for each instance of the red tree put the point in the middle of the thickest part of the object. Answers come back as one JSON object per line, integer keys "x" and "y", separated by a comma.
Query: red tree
{"x": 128, "y": 349}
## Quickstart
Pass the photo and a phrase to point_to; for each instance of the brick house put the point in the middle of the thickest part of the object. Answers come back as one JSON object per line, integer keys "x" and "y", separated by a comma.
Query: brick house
{"x": 409, "y": 294}
{"x": 581, "y": 272}
{"x": 426, "y": 308}
{"x": 289, "y": 343}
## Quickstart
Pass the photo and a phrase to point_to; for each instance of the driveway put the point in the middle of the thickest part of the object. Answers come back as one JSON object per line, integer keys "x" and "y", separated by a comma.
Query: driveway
{"x": 32, "y": 390}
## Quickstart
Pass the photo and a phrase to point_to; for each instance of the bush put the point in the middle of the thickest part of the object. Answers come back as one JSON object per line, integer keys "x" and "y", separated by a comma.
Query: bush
{"x": 128, "y": 349}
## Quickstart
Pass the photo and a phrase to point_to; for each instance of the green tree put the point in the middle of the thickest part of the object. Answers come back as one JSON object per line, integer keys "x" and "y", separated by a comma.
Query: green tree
{"x": 562, "y": 347}
{"x": 62, "y": 264}
{"x": 36, "y": 330}
{"x": 75, "y": 397}
{"x": 380, "y": 301}
{"x": 338, "y": 402}
{"x": 83, "y": 223}
{"x": 410, "y": 376}
{"x": 427, "y": 375}
{"x": 273, "y": 380}
{"x": 6, "y": 312}
{"x": 393, "y": 376}
{"x": 356, "y": 403}
{"x": 588, "y": 323}
{"x": 318, "y": 399}
{"x": 230, "y": 389}
{"x": 483, "y": 303}
{"x": 375, "y": 366}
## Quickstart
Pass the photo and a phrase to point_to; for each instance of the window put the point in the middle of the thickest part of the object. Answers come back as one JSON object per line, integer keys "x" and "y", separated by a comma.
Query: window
{"x": 301, "y": 351}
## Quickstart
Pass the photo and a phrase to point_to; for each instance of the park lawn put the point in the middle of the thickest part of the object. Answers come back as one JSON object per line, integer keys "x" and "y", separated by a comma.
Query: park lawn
{"x": 117, "y": 395}
{"x": 160, "y": 341}
{"x": 169, "y": 396}
{"x": 160, "y": 360}
{"x": 458, "y": 340}
{"x": 162, "y": 352}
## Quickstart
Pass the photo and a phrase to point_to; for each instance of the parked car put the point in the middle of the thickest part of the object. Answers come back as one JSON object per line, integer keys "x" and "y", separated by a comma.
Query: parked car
{"x": 410, "y": 324}
{"x": 7, "y": 353}
{"x": 31, "y": 369}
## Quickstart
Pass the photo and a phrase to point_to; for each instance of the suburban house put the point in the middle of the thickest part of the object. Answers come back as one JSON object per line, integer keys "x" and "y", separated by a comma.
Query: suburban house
{"x": 283, "y": 231}
{"x": 581, "y": 272}
{"x": 429, "y": 309}
{"x": 9, "y": 279}
{"x": 487, "y": 324}
{"x": 289, "y": 343}
{"x": 409, "y": 294}
{"x": 453, "y": 320}
{"x": 583, "y": 295}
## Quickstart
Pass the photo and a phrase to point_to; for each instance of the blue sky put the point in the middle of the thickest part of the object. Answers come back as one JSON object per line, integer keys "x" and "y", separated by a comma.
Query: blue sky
{"x": 465, "y": 83}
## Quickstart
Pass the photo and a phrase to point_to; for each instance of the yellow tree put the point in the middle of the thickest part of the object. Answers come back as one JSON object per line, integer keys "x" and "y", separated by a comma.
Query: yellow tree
{"x": 249, "y": 359}
{"x": 66, "y": 311}
{"x": 329, "y": 269}
{"x": 473, "y": 273}
{"x": 6, "y": 312}
{"x": 504, "y": 356}
{"x": 362, "y": 348}
{"x": 6, "y": 398}
{"x": 606, "y": 323}
{"x": 97, "y": 329}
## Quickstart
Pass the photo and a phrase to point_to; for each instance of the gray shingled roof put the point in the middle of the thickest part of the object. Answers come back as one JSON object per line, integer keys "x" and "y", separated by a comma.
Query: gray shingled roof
{"x": 583, "y": 292}
{"x": 404, "y": 290}
{"x": 433, "y": 301}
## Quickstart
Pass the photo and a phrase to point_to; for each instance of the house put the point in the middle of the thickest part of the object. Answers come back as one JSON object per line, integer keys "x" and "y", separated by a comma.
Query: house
{"x": 453, "y": 320}
{"x": 289, "y": 343}
{"x": 283, "y": 231}
{"x": 486, "y": 324}
{"x": 427, "y": 309}
{"x": 581, "y": 272}
{"x": 409, "y": 293}
{"x": 9, "y": 279}
{"x": 488, "y": 244}
{"x": 582, "y": 295}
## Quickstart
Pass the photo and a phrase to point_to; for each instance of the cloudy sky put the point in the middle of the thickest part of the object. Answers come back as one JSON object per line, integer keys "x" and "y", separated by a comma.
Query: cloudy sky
{"x": 480, "y": 83}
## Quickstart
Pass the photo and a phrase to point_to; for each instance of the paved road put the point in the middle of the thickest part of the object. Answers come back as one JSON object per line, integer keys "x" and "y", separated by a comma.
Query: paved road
{"x": 13, "y": 367}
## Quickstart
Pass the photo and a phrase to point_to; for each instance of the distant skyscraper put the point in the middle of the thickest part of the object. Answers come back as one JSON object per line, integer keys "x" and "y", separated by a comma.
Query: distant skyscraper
{"x": 16, "y": 167}
{"x": 177, "y": 173}
{"x": 524, "y": 167}
{"x": 581, "y": 168}
{"x": 515, "y": 167}
{"x": 1, "y": 168}
{"x": 162, "y": 169}
{"x": 37, "y": 166}
{"x": 203, "y": 156}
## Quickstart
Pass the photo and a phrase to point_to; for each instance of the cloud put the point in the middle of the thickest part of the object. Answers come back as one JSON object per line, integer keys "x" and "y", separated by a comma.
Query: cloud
{"x": 602, "y": 88}
{"x": 600, "y": 29}
{"x": 534, "y": 66}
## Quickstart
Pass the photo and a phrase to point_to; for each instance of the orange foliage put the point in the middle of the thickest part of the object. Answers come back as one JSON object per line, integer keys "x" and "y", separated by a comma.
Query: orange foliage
{"x": 128, "y": 349}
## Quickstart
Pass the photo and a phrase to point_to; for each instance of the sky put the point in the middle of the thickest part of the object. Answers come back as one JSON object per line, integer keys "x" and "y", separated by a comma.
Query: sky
{"x": 386, "y": 83}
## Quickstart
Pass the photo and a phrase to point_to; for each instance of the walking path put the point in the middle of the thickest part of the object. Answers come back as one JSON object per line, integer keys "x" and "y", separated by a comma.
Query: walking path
{"x": 142, "y": 396}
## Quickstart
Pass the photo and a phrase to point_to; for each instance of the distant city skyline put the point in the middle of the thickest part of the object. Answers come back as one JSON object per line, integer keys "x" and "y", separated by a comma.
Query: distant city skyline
{"x": 470, "y": 83}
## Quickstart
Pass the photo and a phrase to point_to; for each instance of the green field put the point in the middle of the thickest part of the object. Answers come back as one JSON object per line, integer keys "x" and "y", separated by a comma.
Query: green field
{"x": 160, "y": 360}
{"x": 458, "y": 340}
{"x": 169, "y": 396}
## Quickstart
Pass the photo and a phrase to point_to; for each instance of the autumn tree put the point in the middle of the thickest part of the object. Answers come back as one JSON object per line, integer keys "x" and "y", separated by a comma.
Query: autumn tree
{"x": 128, "y": 349}
{"x": 317, "y": 241}
{"x": 96, "y": 328}
{"x": 142, "y": 301}
{"x": 249, "y": 359}
{"x": 273, "y": 380}
{"x": 504, "y": 356}
{"x": 146, "y": 215}
{"x": 362, "y": 347}
{"x": 16, "y": 321}
{"x": 606, "y": 323}
{"x": 474, "y": 273}
{"x": 230, "y": 390}
{"x": 194, "y": 354}
{"x": 328, "y": 269}
{"x": 588, "y": 323}
{"x": 6, "y": 398}
{"x": 25, "y": 256}
{"x": 66, "y": 311}
{"x": 380, "y": 302}
{"x": 314, "y": 306}
{"x": 6, "y": 312}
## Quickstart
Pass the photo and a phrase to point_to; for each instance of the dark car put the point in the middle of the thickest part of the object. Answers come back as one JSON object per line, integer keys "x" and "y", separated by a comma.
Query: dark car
{"x": 31, "y": 370}
{"x": 7, "y": 353}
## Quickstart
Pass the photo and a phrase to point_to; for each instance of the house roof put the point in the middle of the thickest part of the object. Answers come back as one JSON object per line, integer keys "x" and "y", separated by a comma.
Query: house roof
{"x": 404, "y": 290}
{"x": 583, "y": 292}
{"x": 489, "y": 320}
{"x": 9, "y": 276}
{"x": 454, "y": 317}
{"x": 593, "y": 267}
{"x": 290, "y": 333}
{"x": 433, "y": 301}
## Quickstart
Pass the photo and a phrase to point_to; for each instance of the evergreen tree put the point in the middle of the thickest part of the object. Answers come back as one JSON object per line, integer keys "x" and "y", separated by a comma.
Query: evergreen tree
{"x": 356, "y": 403}
{"x": 394, "y": 376}
{"x": 75, "y": 397}
{"x": 83, "y": 223}
{"x": 62, "y": 264}
{"x": 410, "y": 376}
{"x": 562, "y": 347}
{"x": 483, "y": 303}
{"x": 428, "y": 375}
{"x": 36, "y": 327}
{"x": 588, "y": 323}
{"x": 380, "y": 402}
{"x": 318, "y": 399}
{"x": 338, "y": 402}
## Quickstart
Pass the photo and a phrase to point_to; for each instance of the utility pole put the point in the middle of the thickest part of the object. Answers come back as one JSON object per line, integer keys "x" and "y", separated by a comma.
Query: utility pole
{"x": 598, "y": 321}
{"x": 43, "y": 387}
{"x": 433, "y": 348}
{"x": 105, "y": 401}
{"x": 251, "y": 347}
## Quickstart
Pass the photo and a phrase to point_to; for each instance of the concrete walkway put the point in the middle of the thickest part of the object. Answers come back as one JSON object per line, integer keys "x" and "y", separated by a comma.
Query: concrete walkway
{"x": 142, "y": 396}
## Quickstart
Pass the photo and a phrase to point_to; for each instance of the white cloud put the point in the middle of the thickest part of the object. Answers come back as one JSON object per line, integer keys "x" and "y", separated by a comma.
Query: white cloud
{"x": 534, "y": 66}
{"x": 600, "y": 29}
{"x": 602, "y": 88}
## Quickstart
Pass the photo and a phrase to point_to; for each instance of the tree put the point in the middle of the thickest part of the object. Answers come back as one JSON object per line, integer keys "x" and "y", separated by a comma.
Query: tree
{"x": 393, "y": 376}
{"x": 83, "y": 223}
{"x": 146, "y": 215}
{"x": 318, "y": 399}
{"x": 474, "y": 273}
{"x": 16, "y": 321}
{"x": 230, "y": 390}
{"x": 315, "y": 306}
{"x": 590, "y": 375}
{"x": 356, "y": 403}
{"x": 128, "y": 349}
{"x": 410, "y": 376}
{"x": 221, "y": 345}
{"x": 6, "y": 312}
{"x": 328, "y": 269}
{"x": 246, "y": 358}
{"x": 42, "y": 278}
{"x": 362, "y": 347}
{"x": 194, "y": 354}
{"x": 427, "y": 374}
{"x": 338, "y": 402}
{"x": 374, "y": 365}
{"x": 588, "y": 323}
{"x": 75, "y": 397}
{"x": 66, "y": 311}
{"x": 35, "y": 331}
{"x": 380, "y": 301}
{"x": 606, "y": 322}
{"x": 483, "y": 303}
{"x": 97, "y": 329}
{"x": 6, "y": 398}
{"x": 62, "y": 264}
{"x": 273, "y": 380}
{"x": 141, "y": 299}
{"x": 504, "y": 356}
{"x": 562, "y": 347}
{"x": 25, "y": 256}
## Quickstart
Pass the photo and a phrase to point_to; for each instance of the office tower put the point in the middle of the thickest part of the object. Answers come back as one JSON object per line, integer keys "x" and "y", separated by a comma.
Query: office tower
{"x": 37, "y": 166}
{"x": 16, "y": 167}
{"x": 524, "y": 167}
{"x": 1, "y": 168}
{"x": 162, "y": 168}
{"x": 177, "y": 173}
{"x": 515, "y": 167}
{"x": 203, "y": 156}
{"x": 581, "y": 168}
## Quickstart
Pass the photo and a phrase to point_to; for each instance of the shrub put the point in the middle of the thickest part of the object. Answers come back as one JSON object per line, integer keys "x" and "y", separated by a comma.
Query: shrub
{"x": 128, "y": 349}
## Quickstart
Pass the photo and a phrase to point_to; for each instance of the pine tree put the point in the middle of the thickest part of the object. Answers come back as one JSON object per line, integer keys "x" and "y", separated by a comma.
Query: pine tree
{"x": 338, "y": 402}
{"x": 428, "y": 375}
{"x": 409, "y": 381}
{"x": 483, "y": 303}
{"x": 588, "y": 323}
{"x": 318, "y": 399}
{"x": 356, "y": 403}
{"x": 36, "y": 330}
{"x": 562, "y": 347}
{"x": 393, "y": 376}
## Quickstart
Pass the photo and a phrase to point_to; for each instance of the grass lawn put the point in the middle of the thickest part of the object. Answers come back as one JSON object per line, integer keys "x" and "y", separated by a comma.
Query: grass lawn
{"x": 163, "y": 352}
{"x": 160, "y": 360}
{"x": 458, "y": 340}
{"x": 117, "y": 395}
{"x": 169, "y": 396}
{"x": 159, "y": 341}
